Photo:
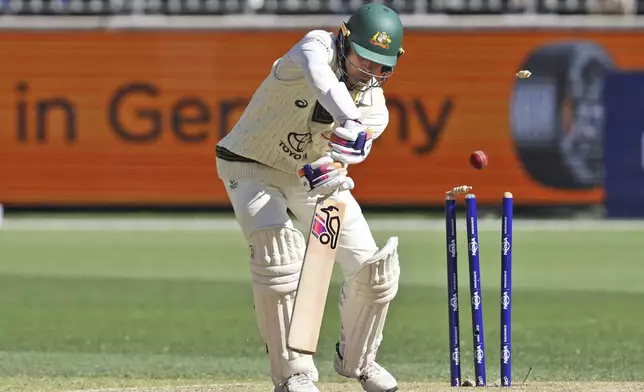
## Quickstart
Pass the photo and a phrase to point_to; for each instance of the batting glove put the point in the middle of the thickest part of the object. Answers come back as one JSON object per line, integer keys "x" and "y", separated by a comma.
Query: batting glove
{"x": 324, "y": 176}
{"x": 351, "y": 142}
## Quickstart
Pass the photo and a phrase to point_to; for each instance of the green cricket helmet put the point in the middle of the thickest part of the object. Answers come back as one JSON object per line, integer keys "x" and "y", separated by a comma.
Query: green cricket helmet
{"x": 374, "y": 32}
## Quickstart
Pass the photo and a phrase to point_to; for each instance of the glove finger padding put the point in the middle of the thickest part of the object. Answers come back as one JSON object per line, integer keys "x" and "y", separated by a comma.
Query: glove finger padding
{"x": 348, "y": 159}
{"x": 350, "y": 146}
{"x": 324, "y": 176}
{"x": 344, "y": 137}
{"x": 347, "y": 184}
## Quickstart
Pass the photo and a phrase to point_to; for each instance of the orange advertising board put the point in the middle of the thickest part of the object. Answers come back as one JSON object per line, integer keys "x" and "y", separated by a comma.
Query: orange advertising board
{"x": 131, "y": 117}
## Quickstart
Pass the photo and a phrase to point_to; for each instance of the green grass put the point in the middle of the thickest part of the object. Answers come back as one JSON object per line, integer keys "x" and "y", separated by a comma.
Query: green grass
{"x": 178, "y": 305}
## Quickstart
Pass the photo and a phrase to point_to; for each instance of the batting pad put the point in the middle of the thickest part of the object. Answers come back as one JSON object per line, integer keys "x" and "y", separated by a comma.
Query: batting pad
{"x": 364, "y": 302}
{"x": 276, "y": 260}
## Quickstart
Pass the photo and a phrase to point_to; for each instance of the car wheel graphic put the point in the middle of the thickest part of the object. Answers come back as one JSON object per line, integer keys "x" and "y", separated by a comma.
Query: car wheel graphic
{"x": 557, "y": 115}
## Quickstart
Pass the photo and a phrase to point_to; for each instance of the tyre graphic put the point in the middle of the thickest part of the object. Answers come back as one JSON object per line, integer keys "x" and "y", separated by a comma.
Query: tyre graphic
{"x": 557, "y": 115}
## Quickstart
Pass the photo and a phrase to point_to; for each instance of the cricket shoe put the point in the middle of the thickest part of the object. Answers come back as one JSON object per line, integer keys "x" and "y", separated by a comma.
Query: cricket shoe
{"x": 298, "y": 382}
{"x": 374, "y": 378}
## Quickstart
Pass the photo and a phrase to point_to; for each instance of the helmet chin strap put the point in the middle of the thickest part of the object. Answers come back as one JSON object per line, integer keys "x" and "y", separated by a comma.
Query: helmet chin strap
{"x": 342, "y": 56}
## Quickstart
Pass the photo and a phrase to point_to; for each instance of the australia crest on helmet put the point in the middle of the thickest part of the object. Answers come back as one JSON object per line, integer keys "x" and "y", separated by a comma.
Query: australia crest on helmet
{"x": 381, "y": 38}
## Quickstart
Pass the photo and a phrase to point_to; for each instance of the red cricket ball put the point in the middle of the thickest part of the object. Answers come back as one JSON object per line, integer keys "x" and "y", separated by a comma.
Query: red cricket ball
{"x": 478, "y": 160}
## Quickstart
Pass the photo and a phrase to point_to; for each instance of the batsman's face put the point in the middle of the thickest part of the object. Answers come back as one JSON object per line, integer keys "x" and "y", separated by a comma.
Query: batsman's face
{"x": 361, "y": 70}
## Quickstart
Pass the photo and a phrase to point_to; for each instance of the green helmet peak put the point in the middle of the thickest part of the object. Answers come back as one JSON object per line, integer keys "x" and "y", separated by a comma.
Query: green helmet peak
{"x": 375, "y": 33}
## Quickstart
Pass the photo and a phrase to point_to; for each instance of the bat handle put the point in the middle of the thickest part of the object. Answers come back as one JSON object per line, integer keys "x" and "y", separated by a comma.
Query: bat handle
{"x": 321, "y": 199}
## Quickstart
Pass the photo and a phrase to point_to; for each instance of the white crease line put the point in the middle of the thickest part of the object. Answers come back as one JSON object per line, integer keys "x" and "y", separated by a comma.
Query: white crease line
{"x": 178, "y": 388}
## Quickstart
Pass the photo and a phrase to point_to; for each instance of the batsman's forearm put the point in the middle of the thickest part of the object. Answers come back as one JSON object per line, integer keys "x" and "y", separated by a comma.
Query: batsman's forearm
{"x": 314, "y": 55}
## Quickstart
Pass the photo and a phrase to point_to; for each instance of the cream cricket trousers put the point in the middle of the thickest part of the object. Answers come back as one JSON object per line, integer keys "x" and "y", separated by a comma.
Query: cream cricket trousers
{"x": 258, "y": 205}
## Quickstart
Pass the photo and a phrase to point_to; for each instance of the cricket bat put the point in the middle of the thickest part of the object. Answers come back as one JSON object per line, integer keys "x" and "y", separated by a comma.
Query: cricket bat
{"x": 315, "y": 276}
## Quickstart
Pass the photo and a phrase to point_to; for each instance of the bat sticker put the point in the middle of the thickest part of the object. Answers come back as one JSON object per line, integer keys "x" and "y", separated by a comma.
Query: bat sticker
{"x": 326, "y": 228}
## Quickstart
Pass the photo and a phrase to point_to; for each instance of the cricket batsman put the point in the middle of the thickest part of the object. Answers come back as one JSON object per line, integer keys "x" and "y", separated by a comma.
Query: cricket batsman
{"x": 321, "y": 106}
